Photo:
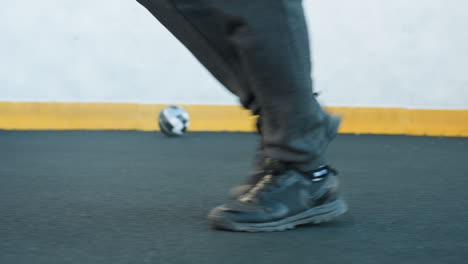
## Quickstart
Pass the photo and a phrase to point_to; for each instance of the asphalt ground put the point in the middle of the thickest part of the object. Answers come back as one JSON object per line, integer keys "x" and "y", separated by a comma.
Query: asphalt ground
{"x": 139, "y": 197}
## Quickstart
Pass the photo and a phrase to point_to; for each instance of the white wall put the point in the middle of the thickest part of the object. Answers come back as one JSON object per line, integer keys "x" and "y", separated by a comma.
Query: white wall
{"x": 367, "y": 53}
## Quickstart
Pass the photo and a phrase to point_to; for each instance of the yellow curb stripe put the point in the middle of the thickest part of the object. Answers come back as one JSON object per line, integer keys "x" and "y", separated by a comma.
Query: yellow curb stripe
{"x": 126, "y": 116}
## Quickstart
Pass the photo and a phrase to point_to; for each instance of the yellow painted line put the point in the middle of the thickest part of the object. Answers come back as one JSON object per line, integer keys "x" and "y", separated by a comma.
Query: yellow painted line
{"x": 403, "y": 121}
{"x": 116, "y": 116}
{"x": 126, "y": 116}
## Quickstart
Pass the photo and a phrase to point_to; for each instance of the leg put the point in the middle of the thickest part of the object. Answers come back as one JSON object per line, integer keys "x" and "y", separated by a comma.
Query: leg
{"x": 273, "y": 47}
{"x": 260, "y": 51}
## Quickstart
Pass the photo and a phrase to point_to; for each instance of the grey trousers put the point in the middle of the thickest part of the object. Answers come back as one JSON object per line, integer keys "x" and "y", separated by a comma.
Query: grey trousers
{"x": 259, "y": 50}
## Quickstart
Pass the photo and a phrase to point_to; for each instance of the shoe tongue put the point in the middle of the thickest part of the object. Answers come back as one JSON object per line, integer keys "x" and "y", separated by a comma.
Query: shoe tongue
{"x": 274, "y": 167}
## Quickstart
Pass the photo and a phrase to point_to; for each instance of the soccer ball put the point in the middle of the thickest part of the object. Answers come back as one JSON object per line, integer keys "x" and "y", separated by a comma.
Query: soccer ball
{"x": 173, "y": 121}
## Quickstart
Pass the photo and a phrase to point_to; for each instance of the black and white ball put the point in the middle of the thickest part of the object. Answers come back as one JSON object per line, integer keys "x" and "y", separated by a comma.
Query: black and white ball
{"x": 173, "y": 121}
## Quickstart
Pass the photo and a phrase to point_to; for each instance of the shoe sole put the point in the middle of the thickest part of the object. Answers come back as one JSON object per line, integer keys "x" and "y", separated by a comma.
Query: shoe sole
{"x": 316, "y": 215}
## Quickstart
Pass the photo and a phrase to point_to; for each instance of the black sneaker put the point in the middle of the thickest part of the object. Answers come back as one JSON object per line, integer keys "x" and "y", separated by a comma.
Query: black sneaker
{"x": 332, "y": 124}
{"x": 281, "y": 200}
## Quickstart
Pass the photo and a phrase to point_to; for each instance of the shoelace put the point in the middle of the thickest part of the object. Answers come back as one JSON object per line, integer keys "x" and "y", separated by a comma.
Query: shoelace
{"x": 265, "y": 184}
